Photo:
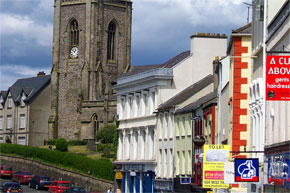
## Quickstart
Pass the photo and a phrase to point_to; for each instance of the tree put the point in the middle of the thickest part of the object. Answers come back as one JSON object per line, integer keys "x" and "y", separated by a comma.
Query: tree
{"x": 106, "y": 133}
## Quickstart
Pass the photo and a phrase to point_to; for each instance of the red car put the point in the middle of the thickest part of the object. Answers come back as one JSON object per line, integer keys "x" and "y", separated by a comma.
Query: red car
{"x": 6, "y": 171}
{"x": 59, "y": 186}
{"x": 22, "y": 176}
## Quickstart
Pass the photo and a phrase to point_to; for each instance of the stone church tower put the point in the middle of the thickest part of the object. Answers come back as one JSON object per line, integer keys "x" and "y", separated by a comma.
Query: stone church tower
{"x": 91, "y": 47}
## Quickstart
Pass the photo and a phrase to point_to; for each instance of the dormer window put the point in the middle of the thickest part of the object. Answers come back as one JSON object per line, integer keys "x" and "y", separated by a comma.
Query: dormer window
{"x": 1, "y": 102}
{"x": 22, "y": 103}
{"x": 9, "y": 103}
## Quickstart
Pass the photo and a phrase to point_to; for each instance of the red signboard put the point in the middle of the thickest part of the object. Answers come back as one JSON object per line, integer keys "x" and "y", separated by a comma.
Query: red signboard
{"x": 278, "y": 78}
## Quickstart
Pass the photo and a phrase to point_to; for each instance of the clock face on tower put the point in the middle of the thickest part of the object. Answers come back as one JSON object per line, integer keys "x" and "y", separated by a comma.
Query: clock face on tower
{"x": 74, "y": 52}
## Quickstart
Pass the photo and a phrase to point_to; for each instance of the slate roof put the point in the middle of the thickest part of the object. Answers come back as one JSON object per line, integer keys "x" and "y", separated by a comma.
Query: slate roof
{"x": 186, "y": 93}
{"x": 3, "y": 93}
{"x": 168, "y": 64}
{"x": 192, "y": 106}
{"x": 29, "y": 86}
{"x": 247, "y": 29}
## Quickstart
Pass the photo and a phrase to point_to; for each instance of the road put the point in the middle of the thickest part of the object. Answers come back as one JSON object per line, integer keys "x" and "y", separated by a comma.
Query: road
{"x": 25, "y": 187}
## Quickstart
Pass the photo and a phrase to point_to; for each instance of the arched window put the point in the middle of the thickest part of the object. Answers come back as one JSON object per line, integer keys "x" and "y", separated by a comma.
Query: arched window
{"x": 74, "y": 33}
{"x": 111, "y": 41}
{"x": 96, "y": 125}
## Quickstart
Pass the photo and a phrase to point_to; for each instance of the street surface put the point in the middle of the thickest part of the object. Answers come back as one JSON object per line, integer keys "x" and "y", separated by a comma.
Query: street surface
{"x": 25, "y": 187}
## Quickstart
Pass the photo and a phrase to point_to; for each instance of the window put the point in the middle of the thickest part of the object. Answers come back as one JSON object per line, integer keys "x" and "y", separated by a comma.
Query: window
{"x": 21, "y": 141}
{"x": 74, "y": 33}
{"x": 1, "y": 123}
{"x": 9, "y": 103}
{"x": 1, "y": 101}
{"x": 22, "y": 122}
{"x": 1, "y": 140}
{"x": 177, "y": 127}
{"x": 111, "y": 41}
{"x": 161, "y": 126}
{"x": 22, "y": 104}
{"x": 9, "y": 122}
{"x": 183, "y": 126}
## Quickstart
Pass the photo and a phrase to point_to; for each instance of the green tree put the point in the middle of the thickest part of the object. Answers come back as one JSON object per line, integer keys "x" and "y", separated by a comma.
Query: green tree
{"x": 61, "y": 144}
{"x": 106, "y": 133}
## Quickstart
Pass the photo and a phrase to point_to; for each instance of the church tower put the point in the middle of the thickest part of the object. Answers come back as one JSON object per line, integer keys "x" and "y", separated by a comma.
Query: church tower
{"x": 91, "y": 47}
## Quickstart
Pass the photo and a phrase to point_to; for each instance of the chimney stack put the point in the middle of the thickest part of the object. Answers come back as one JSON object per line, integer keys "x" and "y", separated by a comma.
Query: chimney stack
{"x": 42, "y": 73}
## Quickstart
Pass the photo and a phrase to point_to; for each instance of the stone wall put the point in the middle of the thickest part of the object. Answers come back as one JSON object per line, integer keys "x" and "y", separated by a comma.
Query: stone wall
{"x": 55, "y": 173}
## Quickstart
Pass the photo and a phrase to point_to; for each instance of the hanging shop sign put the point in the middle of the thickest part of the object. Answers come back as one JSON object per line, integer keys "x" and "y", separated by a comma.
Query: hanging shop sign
{"x": 279, "y": 170}
{"x": 278, "y": 78}
{"x": 213, "y": 165}
{"x": 199, "y": 140}
{"x": 247, "y": 170}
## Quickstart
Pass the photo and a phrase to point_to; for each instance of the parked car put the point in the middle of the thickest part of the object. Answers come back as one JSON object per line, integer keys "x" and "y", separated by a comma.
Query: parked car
{"x": 11, "y": 187}
{"x": 75, "y": 190}
{"x": 22, "y": 176}
{"x": 59, "y": 186}
{"x": 6, "y": 171}
{"x": 39, "y": 182}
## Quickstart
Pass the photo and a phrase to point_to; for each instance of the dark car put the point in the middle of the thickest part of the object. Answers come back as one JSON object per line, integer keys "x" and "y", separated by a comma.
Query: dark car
{"x": 75, "y": 190}
{"x": 9, "y": 187}
{"x": 39, "y": 182}
{"x": 6, "y": 171}
{"x": 22, "y": 176}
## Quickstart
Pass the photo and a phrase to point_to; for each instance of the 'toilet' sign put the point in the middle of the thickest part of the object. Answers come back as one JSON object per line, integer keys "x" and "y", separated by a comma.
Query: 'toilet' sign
{"x": 278, "y": 78}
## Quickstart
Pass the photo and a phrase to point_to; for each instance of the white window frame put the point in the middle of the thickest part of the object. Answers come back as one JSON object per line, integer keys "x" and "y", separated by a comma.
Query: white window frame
{"x": 21, "y": 140}
{"x": 22, "y": 103}
{"x": 9, "y": 122}
{"x": 9, "y": 103}
{"x": 22, "y": 121}
{"x": 1, "y": 123}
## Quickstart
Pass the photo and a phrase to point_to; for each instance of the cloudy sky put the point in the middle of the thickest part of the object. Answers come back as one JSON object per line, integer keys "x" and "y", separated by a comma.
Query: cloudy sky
{"x": 161, "y": 30}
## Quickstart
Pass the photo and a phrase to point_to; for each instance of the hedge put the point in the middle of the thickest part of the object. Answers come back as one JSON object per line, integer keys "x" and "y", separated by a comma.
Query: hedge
{"x": 70, "y": 142}
{"x": 101, "y": 168}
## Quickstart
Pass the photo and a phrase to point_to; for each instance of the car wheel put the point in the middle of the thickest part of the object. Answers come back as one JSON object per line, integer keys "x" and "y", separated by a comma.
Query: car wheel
{"x": 29, "y": 185}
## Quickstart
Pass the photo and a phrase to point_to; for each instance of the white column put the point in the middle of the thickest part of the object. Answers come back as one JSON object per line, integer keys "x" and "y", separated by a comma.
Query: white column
{"x": 131, "y": 150}
{"x": 147, "y": 145}
{"x": 120, "y": 146}
{"x": 124, "y": 152}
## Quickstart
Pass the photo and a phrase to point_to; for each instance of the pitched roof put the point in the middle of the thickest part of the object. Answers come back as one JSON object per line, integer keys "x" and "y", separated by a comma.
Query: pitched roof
{"x": 186, "y": 93}
{"x": 175, "y": 60}
{"x": 168, "y": 64}
{"x": 246, "y": 29}
{"x": 192, "y": 106}
{"x": 29, "y": 86}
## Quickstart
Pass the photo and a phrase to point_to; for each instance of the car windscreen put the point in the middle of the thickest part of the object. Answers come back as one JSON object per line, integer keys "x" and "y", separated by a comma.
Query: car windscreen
{"x": 64, "y": 185}
{"x": 27, "y": 173}
{"x": 12, "y": 185}
{"x": 45, "y": 179}
{"x": 7, "y": 168}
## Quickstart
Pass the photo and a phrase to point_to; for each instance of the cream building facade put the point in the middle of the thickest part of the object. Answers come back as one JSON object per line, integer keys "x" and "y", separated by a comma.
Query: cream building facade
{"x": 24, "y": 111}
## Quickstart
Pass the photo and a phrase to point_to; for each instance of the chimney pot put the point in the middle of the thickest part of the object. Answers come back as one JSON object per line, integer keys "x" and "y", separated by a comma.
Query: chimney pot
{"x": 42, "y": 73}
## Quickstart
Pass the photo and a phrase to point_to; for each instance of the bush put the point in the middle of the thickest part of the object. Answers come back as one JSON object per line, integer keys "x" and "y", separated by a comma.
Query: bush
{"x": 50, "y": 142}
{"x": 102, "y": 147}
{"x": 61, "y": 144}
{"x": 106, "y": 134}
{"x": 77, "y": 142}
{"x": 101, "y": 168}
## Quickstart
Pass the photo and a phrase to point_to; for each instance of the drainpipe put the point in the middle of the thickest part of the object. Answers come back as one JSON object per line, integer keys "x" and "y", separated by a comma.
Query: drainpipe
{"x": 264, "y": 87}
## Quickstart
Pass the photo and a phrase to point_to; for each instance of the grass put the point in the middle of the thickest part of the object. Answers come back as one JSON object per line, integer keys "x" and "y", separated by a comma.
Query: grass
{"x": 81, "y": 149}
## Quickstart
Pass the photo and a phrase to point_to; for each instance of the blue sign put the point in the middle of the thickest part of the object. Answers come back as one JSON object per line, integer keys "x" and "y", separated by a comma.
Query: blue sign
{"x": 246, "y": 170}
{"x": 185, "y": 180}
{"x": 279, "y": 169}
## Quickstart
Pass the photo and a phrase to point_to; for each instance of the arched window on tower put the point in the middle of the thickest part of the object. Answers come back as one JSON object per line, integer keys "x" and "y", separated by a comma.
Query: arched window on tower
{"x": 74, "y": 33}
{"x": 111, "y": 41}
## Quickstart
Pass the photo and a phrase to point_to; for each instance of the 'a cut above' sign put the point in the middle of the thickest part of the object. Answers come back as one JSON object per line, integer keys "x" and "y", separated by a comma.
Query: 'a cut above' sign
{"x": 278, "y": 78}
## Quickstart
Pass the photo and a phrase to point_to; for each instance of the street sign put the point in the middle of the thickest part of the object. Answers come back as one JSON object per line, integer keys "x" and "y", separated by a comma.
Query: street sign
{"x": 214, "y": 157}
{"x": 246, "y": 170}
{"x": 186, "y": 180}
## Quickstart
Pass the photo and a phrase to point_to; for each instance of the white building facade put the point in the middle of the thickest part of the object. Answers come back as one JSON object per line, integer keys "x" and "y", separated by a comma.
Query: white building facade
{"x": 137, "y": 99}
